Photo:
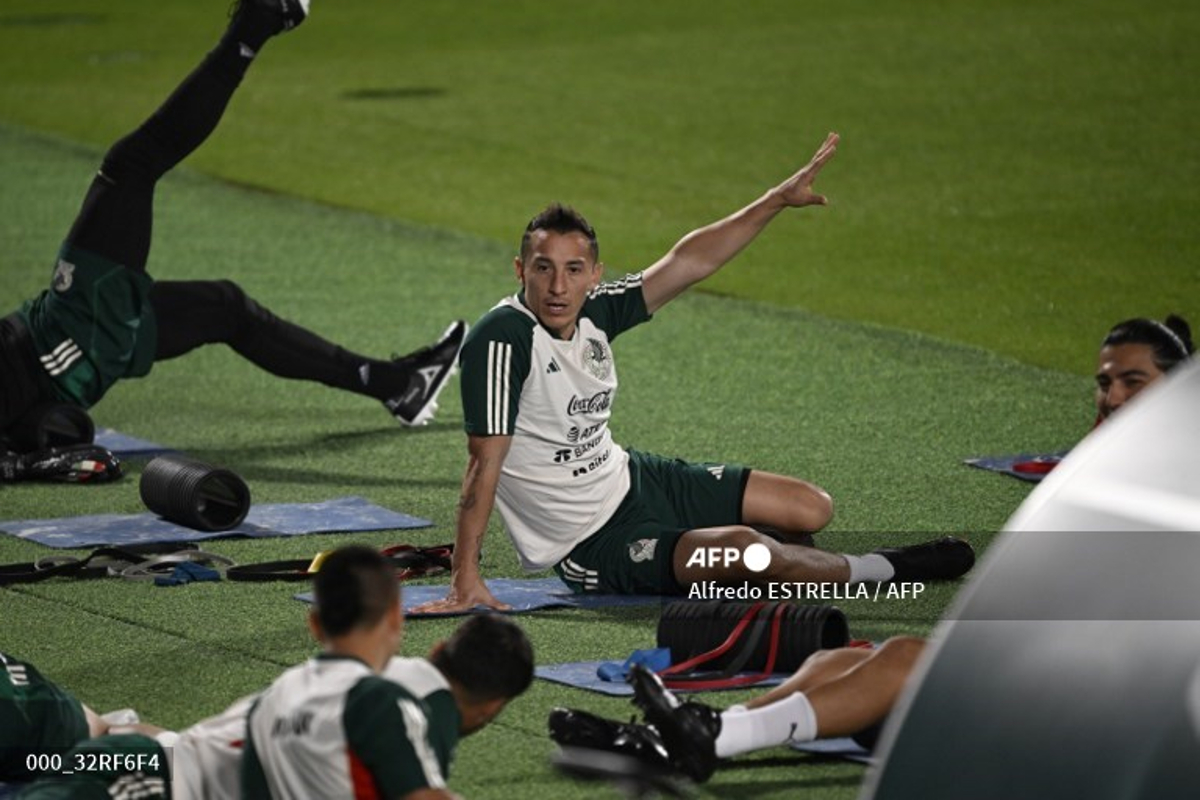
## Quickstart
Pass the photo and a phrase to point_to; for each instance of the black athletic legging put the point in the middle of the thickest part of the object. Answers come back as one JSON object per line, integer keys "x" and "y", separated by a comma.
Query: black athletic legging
{"x": 116, "y": 218}
{"x": 116, "y": 221}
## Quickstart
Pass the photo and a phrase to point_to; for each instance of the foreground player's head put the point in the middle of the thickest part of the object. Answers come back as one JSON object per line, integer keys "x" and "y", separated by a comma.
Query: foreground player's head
{"x": 357, "y": 606}
{"x": 558, "y": 267}
{"x": 1135, "y": 354}
{"x": 488, "y": 661}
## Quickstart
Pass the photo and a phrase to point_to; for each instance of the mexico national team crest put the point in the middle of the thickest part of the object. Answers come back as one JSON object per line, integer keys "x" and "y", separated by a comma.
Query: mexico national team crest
{"x": 64, "y": 276}
{"x": 597, "y": 360}
{"x": 642, "y": 550}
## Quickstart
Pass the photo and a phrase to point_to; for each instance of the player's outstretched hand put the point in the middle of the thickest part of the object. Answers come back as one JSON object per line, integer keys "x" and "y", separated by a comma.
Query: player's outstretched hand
{"x": 472, "y": 594}
{"x": 797, "y": 190}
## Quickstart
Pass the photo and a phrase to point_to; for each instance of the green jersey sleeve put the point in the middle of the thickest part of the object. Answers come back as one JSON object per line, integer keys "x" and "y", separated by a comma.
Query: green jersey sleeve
{"x": 253, "y": 777}
{"x": 495, "y": 361}
{"x": 617, "y": 306}
{"x": 397, "y": 738}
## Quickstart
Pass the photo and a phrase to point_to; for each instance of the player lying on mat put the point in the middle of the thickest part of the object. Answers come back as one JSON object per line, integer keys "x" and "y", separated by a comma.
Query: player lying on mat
{"x": 354, "y": 717}
{"x": 538, "y": 383}
{"x": 104, "y": 319}
{"x": 843, "y": 692}
{"x": 1135, "y": 354}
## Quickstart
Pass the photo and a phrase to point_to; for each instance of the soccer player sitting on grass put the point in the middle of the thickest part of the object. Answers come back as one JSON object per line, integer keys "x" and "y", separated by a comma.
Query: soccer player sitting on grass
{"x": 835, "y": 693}
{"x": 538, "y": 383}
{"x": 1135, "y": 354}
{"x": 104, "y": 319}
{"x": 354, "y": 717}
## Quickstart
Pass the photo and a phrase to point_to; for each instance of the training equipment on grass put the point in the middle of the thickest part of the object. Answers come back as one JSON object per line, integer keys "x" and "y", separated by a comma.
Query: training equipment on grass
{"x": 845, "y": 748}
{"x": 409, "y": 560}
{"x": 103, "y": 562}
{"x": 585, "y": 675}
{"x": 523, "y": 595}
{"x": 340, "y": 515}
{"x": 1032, "y": 467}
{"x": 128, "y": 446}
{"x": 714, "y": 643}
{"x": 192, "y": 493}
{"x": 75, "y": 463}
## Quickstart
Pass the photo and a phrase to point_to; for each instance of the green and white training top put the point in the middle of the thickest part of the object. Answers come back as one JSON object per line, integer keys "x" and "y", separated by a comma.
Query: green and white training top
{"x": 564, "y": 475}
{"x": 332, "y": 728}
{"x": 207, "y": 757}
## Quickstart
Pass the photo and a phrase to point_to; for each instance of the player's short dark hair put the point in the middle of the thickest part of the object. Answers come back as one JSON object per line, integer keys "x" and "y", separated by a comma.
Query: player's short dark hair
{"x": 354, "y": 587}
{"x": 1170, "y": 339}
{"x": 560, "y": 219}
{"x": 489, "y": 656}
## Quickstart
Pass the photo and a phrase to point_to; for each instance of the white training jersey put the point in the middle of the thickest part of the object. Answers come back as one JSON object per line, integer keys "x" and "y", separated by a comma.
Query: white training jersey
{"x": 564, "y": 476}
{"x": 407, "y": 713}
{"x": 207, "y": 757}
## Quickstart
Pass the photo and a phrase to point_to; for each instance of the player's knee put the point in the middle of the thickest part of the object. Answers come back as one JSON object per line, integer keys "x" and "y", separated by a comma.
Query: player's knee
{"x": 820, "y": 508}
{"x": 812, "y": 507}
{"x": 131, "y": 162}
{"x": 900, "y": 652}
{"x": 821, "y": 659}
{"x": 238, "y": 307}
{"x": 231, "y": 297}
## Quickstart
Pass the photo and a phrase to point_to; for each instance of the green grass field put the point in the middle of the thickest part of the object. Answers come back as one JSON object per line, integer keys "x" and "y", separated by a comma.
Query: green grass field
{"x": 1012, "y": 181}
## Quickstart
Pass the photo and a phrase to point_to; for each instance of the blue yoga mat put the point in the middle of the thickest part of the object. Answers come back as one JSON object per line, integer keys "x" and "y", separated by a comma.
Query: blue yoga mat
{"x": 128, "y": 446}
{"x": 845, "y": 748}
{"x": 343, "y": 514}
{"x": 523, "y": 594}
{"x": 583, "y": 675}
{"x": 1030, "y": 467}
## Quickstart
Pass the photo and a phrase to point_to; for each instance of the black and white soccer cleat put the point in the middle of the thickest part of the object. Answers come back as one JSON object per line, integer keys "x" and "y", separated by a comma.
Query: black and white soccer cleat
{"x": 291, "y": 12}
{"x": 574, "y": 728}
{"x": 688, "y": 730}
{"x": 429, "y": 369}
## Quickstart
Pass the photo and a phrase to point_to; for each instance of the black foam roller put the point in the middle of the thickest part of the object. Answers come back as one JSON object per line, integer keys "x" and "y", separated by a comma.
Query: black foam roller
{"x": 194, "y": 494}
{"x": 691, "y": 628}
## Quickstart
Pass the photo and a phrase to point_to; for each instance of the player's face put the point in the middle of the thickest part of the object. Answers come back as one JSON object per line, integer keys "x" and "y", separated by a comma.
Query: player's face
{"x": 1122, "y": 372}
{"x": 558, "y": 274}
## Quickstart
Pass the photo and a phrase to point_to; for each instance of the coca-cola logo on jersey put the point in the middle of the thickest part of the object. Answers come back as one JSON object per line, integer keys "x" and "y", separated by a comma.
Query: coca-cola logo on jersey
{"x": 595, "y": 404}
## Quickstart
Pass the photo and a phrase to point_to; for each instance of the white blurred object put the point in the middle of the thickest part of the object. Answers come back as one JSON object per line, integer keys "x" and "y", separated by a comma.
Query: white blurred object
{"x": 122, "y": 717}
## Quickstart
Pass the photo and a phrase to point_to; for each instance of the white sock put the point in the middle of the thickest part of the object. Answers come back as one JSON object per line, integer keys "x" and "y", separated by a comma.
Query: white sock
{"x": 869, "y": 568}
{"x": 790, "y": 720}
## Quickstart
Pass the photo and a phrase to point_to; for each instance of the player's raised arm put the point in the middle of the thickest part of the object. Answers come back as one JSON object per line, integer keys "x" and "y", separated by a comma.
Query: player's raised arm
{"x": 467, "y": 589}
{"x": 705, "y": 250}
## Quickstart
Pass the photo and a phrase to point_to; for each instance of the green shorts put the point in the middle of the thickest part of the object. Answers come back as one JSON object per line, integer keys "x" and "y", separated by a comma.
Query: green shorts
{"x": 36, "y": 716}
{"x": 632, "y": 553}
